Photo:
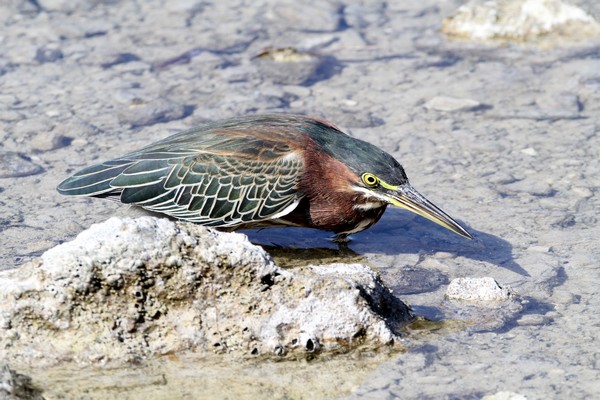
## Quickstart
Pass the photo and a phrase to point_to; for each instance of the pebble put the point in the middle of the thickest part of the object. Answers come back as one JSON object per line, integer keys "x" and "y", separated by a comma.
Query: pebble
{"x": 33, "y": 126}
{"x": 65, "y": 6}
{"x": 143, "y": 113}
{"x": 477, "y": 289}
{"x": 445, "y": 103}
{"x": 17, "y": 165}
{"x": 79, "y": 142}
{"x": 433, "y": 263}
{"x": 564, "y": 105}
{"x": 415, "y": 279}
{"x": 76, "y": 130}
{"x": 21, "y": 54}
{"x": 288, "y": 70}
{"x": 39, "y": 246}
{"x": 531, "y": 185}
{"x": 48, "y": 55}
{"x": 557, "y": 373}
{"x": 504, "y": 395}
{"x": 553, "y": 315}
{"x": 46, "y": 141}
{"x": 540, "y": 249}
{"x": 10, "y": 116}
{"x": 533, "y": 320}
{"x": 530, "y": 151}
{"x": 563, "y": 297}
{"x": 300, "y": 91}
{"x": 52, "y": 113}
{"x": 582, "y": 192}
{"x": 323, "y": 15}
{"x": 502, "y": 178}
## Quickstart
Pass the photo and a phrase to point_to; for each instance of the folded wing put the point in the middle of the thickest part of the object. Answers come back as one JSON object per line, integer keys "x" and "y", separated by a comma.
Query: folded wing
{"x": 215, "y": 179}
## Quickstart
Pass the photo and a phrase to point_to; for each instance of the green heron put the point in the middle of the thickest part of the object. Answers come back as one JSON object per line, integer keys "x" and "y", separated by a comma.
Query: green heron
{"x": 261, "y": 171}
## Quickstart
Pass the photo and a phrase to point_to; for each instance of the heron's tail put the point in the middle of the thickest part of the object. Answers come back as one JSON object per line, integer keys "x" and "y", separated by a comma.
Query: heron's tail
{"x": 94, "y": 180}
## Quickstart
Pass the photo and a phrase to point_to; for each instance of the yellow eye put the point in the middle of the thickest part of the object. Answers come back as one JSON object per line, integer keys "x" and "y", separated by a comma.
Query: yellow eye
{"x": 370, "y": 180}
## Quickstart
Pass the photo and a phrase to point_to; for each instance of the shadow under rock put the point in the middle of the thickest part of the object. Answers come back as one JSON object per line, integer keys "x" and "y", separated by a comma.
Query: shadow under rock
{"x": 398, "y": 232}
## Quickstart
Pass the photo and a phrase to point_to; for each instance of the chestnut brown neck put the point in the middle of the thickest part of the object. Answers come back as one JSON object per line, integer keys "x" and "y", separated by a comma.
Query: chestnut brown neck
{"x": 329, "y": 202}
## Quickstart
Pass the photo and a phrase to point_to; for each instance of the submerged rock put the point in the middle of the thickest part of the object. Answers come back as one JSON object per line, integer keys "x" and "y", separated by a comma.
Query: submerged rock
{"x": 17, "y": 165}
{"x": 482, "y": 290}
{"x": 132, "y": 288}
{"x": 140, "y": 112}
{"x": 445, "y": 103}
{"x": 482, "y": 302}
{"x": 290, "y": 66}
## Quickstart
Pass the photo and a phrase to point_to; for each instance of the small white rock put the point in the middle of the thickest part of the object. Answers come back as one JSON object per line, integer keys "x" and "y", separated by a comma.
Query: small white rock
{"x": 530, "y": 151}
{"x": 300, "y": 91}
{"x": 533, "y": 320}
{"x": 477, "y": 290}
{"x": 504, "y": 395}
{"x": 446, "y": 103}
{"x": 540, "y": 249}
{"x": 52, "y": 113}
{"x": 583, "y": 192}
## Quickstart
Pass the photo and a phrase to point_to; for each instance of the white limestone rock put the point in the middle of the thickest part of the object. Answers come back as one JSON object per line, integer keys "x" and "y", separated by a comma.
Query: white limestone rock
{"x": 520, "y": 20}
{"x": 127, "y": 289}
{"x": 482, "y": 302}
{"x": 478, "y": 290}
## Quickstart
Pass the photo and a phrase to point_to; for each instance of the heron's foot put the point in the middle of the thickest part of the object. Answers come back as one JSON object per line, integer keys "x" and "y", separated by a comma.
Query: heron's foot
{"x": 341, "y": 238}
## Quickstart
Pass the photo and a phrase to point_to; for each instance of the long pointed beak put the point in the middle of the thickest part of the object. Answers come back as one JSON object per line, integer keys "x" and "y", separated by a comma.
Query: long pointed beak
{"x": 408, "y": 198}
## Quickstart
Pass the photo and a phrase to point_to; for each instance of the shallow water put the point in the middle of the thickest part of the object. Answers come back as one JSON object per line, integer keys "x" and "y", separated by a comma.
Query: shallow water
{"x": 84, "y": 81}
{"x": 202, "y": 377}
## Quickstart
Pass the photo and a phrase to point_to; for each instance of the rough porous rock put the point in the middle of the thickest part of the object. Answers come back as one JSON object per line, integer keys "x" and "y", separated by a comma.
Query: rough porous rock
{"x": 131, "y": 288}
{"x": 16, "y": 386}
{"x": 520, "y": 20}
{"x": 478, "y": 290}
{"x": 482, "y": 302}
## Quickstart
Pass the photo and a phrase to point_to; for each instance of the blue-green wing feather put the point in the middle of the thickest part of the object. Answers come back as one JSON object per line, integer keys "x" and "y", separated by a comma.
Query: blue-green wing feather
{"x": 209, "y": 176}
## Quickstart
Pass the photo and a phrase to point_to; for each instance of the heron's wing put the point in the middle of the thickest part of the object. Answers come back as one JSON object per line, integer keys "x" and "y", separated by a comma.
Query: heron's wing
{"x": 218, "y": 190}
{"x": 215, "y": 179}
